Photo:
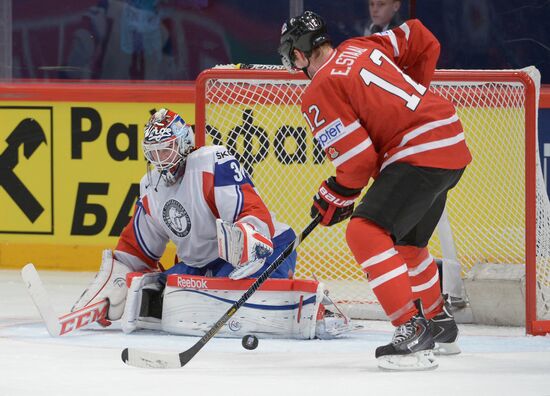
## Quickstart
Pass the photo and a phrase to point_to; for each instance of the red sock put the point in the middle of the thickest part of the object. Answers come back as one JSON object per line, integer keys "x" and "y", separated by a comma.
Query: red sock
{"x": 424, "y": 278}
{"x": 375, "y": 252}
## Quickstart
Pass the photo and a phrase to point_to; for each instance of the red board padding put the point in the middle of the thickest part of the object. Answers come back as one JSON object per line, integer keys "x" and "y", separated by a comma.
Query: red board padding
{"x": 98, "y": 91}
{"x": 204, "y": 283}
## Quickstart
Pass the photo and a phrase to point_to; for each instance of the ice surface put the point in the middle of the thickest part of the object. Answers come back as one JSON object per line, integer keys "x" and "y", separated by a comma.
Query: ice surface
{"x": 495, "y": 360}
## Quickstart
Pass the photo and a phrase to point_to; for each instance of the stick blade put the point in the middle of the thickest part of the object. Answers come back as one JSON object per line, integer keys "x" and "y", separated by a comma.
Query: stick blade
{"x": 147, "y": 359}
{"x": 41, "y": 299}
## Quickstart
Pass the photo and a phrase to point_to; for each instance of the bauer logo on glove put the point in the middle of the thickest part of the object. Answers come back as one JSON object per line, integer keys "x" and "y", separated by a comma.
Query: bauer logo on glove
{"x": 243, "y": 247}
{"x": 334, "y": 202}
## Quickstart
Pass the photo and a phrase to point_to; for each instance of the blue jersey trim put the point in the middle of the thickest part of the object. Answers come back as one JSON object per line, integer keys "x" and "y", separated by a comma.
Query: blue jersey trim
{"x": 139, "y": 237}
{"x": 230, "y": 173}
{"x": 310, "y": 300}
{"x": 239, "y": 204}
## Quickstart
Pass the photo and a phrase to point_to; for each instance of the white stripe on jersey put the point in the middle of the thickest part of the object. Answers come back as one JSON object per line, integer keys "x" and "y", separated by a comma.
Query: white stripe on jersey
{"x": 393, "y": 40}
{"x": 364, "y": 145}
{"x": 406, "y": 30}
{"x": 423, "y": 147}
{"x": 425, "y": 128}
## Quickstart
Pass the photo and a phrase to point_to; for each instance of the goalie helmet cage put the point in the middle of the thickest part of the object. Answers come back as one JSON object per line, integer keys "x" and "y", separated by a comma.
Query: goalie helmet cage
{"x": 499, "y": 213}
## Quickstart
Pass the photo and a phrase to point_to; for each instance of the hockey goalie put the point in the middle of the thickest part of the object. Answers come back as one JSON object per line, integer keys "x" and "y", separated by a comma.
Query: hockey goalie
{"x": 203, "y": 201}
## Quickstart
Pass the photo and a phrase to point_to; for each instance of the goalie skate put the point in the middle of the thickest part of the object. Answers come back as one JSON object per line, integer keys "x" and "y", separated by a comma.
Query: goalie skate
{"x": 333, "y": 324}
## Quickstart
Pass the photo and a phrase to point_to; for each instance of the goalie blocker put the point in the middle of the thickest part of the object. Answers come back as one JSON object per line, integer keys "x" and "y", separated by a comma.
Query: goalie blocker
{"x": 190, "y": 305}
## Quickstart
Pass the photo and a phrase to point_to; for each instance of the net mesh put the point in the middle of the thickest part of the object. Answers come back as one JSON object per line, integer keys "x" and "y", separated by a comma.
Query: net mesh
{"x": 260, "y": 122}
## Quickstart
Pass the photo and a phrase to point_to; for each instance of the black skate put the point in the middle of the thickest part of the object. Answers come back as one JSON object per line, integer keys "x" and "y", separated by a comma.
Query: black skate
{"x": 411, "y": 347}
{"x": 445, "y": 332}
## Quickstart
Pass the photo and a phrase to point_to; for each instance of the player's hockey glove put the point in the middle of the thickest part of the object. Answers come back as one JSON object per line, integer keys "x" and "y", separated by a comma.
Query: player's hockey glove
{"x": 334, "y": 202}
{"x": 243, "y": 247}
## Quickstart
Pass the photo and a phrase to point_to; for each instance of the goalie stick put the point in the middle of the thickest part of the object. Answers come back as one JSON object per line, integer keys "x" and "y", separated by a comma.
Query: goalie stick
{"x": 66, "y": 323}
{"x": 164, "y": 360}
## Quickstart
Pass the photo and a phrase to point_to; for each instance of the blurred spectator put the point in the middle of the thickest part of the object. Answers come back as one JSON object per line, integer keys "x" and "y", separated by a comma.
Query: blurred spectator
{"x": 384, "y": 15}
{"x": 121, "y": 39}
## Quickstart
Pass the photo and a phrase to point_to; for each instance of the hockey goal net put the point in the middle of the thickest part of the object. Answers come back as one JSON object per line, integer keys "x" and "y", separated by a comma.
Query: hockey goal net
{"x": 499, "y": 212}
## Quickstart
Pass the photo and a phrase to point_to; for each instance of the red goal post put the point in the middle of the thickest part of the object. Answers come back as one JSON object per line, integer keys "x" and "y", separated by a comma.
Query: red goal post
{"x": 499, "y": 213}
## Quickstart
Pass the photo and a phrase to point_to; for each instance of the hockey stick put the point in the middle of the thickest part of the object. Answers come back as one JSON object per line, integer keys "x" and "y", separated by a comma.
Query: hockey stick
{"x": 146, "y": 359}
{"x": 66, "y": 323}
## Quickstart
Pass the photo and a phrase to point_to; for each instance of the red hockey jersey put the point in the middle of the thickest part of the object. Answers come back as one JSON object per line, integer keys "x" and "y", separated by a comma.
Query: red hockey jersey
{"x": 369, "y": 106}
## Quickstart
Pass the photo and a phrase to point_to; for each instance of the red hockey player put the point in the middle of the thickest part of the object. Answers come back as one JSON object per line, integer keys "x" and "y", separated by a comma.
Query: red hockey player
{"x": 369, "y": 108}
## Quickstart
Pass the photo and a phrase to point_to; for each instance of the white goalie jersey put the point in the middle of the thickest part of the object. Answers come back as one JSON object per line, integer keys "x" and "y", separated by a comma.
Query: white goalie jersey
{"x": 213, "y": 186}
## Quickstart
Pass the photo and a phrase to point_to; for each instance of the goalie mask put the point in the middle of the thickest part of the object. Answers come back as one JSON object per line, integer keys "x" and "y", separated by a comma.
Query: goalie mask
{"x": 305, "y": 33}
{"x": 167, "y": 142}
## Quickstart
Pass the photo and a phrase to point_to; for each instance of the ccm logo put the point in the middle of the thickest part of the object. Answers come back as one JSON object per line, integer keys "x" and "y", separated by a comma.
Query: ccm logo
{"x": 331, "y": 133}
{"x": 186, "y": 283}
{"x": 86, "y": 317}
{"x": 335, "y": 200}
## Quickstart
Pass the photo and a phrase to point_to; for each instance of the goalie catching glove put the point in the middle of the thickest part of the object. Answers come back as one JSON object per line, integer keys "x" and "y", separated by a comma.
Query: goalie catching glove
{"x": 334, "y": 202}
{"x": 243, "y": 247}
{"x": 110, "y": 283}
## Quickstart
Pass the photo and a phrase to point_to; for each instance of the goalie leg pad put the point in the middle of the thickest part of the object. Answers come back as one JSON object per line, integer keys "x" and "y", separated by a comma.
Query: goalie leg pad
{"x": 110, "y": 283}
{"x": 143, "y": 303}
{"x": 281, "y": 308}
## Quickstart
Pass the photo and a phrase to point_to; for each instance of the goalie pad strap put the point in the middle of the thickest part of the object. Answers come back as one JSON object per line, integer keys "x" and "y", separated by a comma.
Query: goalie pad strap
{"x": 133, "y": 317}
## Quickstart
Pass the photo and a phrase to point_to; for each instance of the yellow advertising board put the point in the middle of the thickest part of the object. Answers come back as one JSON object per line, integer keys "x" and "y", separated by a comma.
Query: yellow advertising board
{"x": 69, "y": 176}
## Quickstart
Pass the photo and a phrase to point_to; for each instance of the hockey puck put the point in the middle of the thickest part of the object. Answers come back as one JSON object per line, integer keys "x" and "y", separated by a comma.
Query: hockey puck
{"x": 250, "y": 342}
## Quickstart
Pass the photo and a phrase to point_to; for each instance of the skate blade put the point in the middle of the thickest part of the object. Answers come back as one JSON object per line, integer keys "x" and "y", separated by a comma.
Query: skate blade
{"x": 418, "y": 361}
{"x": 446, "y": 348}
